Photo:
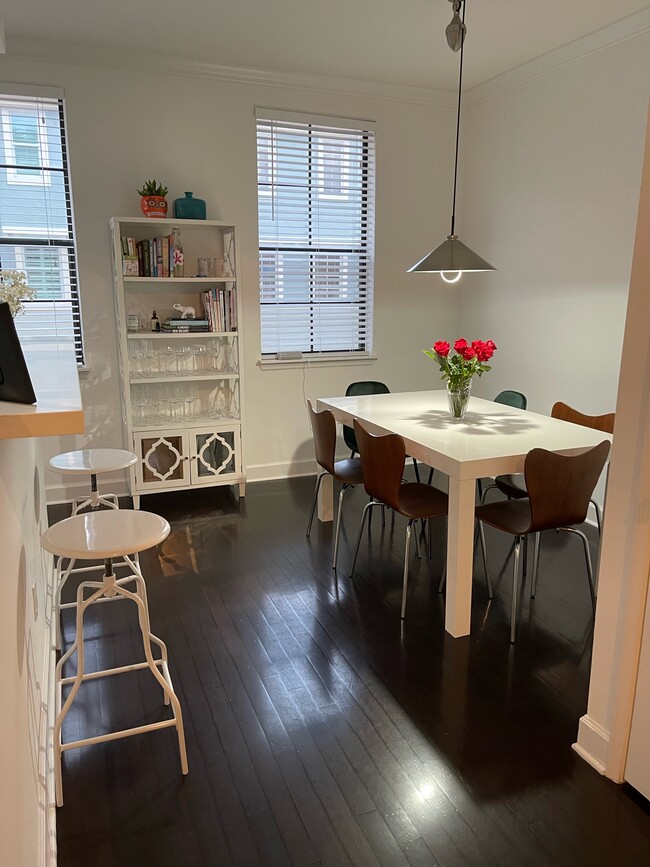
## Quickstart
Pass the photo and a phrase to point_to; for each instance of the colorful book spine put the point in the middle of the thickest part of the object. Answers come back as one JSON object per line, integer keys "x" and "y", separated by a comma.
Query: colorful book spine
{"x": 165, "y": 256}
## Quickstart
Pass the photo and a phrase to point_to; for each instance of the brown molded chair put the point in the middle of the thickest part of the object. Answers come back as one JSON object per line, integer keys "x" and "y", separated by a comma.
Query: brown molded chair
{"x": 559, "y": 489}
{"x": 382, "y": 458}
{"x": 348, "y": 472}
{"x": 512, "y": 484}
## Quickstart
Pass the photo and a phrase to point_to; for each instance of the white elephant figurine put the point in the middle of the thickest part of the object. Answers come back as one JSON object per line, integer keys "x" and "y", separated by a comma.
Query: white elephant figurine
{"x": 186, "y": 312}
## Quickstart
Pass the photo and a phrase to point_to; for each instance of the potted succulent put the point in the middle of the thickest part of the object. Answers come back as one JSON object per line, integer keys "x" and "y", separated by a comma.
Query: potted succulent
{"x": 153, "y": 202}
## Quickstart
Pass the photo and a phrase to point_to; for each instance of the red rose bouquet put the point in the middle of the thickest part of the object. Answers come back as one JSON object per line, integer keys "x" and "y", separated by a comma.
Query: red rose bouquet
{"x": 468, "y": 359}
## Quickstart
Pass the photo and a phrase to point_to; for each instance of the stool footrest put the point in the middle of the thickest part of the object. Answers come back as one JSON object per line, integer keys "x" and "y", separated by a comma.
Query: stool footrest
{"x": 107, "y": 672}
{"x": 96, "y": 601}
{"x": 124, "y": 733}
{"x": 79, "y": 569}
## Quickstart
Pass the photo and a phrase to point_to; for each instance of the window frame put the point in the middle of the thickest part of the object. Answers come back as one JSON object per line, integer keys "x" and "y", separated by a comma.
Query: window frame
{"x": 361, "y": 290}
{"x": 35, "y": 99}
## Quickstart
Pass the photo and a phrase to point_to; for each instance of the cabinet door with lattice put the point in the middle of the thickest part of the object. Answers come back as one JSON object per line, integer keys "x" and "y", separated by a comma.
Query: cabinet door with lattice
{"x": 215, "y": 454}
{"x": 162, "y": 460}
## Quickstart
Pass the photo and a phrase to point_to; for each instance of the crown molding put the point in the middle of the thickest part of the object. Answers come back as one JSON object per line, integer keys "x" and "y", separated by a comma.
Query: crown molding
{"x": 77, "y": 54}
{"x": 594, "y": 43}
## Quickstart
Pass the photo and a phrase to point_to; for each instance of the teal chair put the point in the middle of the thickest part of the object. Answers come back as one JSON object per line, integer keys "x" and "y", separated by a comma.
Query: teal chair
{"x": 512, "y": 398}
{"x": 508, "y": 398}
{"x": 367, "y": 386}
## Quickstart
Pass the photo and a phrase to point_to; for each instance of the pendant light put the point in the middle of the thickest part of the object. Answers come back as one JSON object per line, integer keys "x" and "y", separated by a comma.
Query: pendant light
{"x": 453, "y": 257}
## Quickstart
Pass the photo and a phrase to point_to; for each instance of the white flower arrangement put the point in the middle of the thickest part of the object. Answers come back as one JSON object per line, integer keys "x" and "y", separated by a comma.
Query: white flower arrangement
{"x": 14, "y": 290}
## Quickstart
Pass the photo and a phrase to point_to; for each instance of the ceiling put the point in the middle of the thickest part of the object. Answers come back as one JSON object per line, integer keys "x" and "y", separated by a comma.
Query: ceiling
{"x": 390, "y": 41}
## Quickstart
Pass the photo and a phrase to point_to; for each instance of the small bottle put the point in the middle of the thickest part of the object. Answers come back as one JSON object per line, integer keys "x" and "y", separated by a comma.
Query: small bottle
{"x": 177, "y": 253}
{"x": 155, "y": 322}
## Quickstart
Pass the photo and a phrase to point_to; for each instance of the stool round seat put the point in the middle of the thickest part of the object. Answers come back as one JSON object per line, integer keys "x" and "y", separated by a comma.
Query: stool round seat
{"x": 93, "y": 461}
{"x": 105, "y": 534}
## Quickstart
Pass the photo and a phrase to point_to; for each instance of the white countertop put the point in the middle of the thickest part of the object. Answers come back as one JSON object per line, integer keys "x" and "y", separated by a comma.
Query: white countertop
{"x": 58, "y": 409}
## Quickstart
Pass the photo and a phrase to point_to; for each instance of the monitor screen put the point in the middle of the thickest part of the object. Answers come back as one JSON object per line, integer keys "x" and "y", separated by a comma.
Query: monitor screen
{"x": 15, "y": 383}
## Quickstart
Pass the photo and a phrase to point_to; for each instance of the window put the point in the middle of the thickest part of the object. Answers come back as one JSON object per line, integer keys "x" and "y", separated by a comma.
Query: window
{"x": 316, "y": 182}
{"x": 36, "y": 224}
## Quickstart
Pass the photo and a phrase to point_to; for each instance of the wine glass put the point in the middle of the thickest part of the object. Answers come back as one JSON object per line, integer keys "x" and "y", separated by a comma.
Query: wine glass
{"x": 168, "y": 353}
{"x": 200, "y": 357}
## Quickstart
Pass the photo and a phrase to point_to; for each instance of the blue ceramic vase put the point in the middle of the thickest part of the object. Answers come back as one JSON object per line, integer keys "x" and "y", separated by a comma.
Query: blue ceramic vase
{"x": 189, "y": 208}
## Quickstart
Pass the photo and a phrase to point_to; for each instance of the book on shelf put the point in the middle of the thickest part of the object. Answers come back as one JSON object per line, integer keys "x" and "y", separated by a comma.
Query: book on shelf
{"x": 172, "y": 321}
{"x": 220, "y": 307}
{"x": 185, "y": 326}
{"x": 153, "y": 257}
{"x": 184, "y": 329}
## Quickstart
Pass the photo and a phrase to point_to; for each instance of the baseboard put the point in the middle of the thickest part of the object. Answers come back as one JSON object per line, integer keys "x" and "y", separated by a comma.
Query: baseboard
{"x": 593, "y": 743}
{"x": 56, "y": 494}
{"x": 286, "y": 469}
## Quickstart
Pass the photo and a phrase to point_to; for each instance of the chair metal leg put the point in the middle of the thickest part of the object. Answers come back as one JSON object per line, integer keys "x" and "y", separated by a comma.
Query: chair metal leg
{"x": 485, "y": 490}
{"x": 590, "y": 571}
{"x": 430, "y": 479}
{"x": 599, "y": 520}
{"x": 481, "y": 536}
{"x": 515, "y": 590}
{"x": 406, "y": 566}
{"x": 417, "y": 543}
{"x": 313, "y": 508}
{"x": 525, "y": 563}
{"x": 338, "y": 526}
{"x": 533, "y": 588}
{"x": 479, "y": 489}
{"x": 417, "y": 470}
{"x": 366, "y": 508}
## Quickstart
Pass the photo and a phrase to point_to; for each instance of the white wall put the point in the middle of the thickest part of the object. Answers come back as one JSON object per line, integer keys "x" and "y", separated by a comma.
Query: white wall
{"x": 198, "y": 134}
{"x": 26, "y": 822}
{"x": 625, "y": 549}
{"x": 551, "y": 186}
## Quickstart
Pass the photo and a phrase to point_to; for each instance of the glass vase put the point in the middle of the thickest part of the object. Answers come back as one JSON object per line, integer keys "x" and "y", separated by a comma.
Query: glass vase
{"x": 458, "y": 398}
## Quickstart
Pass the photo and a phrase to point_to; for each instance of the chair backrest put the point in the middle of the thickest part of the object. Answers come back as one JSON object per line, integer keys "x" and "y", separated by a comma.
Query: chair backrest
{"x": 365, "y": 386}
{"x": 605, "y": 423}
{"x": 382, "y": 461}
{"x": 560, "y": 486}
{"x": 512, "y": 398}
{"x": 323, "y": 426}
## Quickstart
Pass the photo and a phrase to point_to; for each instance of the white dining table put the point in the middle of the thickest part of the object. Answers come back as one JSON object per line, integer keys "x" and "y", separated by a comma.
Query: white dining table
{"x": 492, "y": 439}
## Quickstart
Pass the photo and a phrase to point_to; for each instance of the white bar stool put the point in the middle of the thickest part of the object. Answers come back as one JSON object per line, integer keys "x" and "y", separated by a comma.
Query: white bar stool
{"x": 85, "y": 462}
{"x": 93, "y": 462}
{"x": 106, "y": 535}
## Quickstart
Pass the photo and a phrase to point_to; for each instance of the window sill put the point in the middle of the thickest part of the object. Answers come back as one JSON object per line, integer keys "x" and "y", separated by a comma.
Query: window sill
{"x": 83, "y": 371}
{"x": 309, "y": 361}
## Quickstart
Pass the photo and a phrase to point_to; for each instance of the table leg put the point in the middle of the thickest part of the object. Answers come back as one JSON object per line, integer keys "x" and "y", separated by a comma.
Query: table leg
{"x": 326, "y": 499}
{"x": 460, "y": 556}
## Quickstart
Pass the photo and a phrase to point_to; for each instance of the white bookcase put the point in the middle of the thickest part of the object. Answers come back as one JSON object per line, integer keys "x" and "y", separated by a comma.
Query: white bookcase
{"x": 181, "y": 391}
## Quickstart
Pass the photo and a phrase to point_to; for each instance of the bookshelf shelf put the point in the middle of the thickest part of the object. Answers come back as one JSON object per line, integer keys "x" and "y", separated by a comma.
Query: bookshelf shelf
{"x": 190, "y": 377}
{"x": 185, "y": 429}
{"x": 176, "y": 281}
{"x": 178, "y": 335}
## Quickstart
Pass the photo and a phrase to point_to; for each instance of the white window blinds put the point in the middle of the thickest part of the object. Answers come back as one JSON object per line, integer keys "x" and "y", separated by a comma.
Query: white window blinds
{"x": 36, "y": 225}
{"x": 316, "y": 201}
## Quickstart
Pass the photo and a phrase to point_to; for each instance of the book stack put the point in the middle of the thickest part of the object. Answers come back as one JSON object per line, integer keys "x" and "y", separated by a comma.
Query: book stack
{"x": 130, "y": 265}
{"x": 220, "y": 307}
{"x": 185, "y": 326}
{"x": 151, "y": 258}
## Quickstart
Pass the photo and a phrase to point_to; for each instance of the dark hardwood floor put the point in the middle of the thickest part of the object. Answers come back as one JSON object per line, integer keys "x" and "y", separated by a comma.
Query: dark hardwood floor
{"x": 322, "y": 732}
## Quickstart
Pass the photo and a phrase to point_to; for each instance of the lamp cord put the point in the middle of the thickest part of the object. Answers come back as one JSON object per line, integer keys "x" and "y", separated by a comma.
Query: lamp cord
{"x": 460, "y": 90}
